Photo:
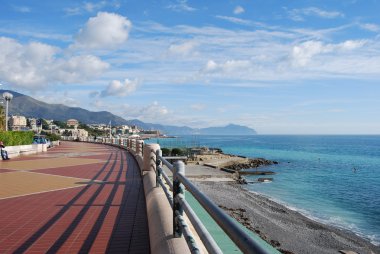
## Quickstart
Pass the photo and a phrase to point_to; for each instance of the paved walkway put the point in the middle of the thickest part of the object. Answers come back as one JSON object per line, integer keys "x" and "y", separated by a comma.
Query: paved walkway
{"x": 75, "y": 198}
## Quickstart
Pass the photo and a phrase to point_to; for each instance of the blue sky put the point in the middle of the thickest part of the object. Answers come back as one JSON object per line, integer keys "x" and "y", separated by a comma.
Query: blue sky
{"x": 278, "y": 66}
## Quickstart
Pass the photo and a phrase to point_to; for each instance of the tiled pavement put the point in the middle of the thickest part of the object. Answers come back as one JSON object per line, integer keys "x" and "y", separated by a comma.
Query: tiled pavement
{"x": 75, "y": 198}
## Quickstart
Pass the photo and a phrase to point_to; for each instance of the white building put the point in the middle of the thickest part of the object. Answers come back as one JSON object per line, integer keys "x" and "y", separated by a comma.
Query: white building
{"x": 76, "y": 133}
{"x": 17, "y": 122}
{"x": 72, "y": 122}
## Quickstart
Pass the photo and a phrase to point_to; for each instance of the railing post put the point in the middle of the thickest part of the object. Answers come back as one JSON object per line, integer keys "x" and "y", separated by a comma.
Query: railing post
{"x": 178, "y": 190}
{"x": 158, "y": 164}
{"x": 139, "y": 147}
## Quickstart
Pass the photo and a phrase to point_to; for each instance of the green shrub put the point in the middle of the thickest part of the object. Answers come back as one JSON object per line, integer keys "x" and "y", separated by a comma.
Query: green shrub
{"x": 53, "y": 137}
{"x": 178, "y": 152}
{"x": 16, "y": 138}
{"x": 165, "y": 151}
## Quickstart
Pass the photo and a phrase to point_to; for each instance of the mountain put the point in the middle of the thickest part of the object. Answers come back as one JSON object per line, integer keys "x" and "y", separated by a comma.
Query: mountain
{"x": 231, "y": 129}
{"x": 27, "y": 106}
{"x": 167, "y": 129}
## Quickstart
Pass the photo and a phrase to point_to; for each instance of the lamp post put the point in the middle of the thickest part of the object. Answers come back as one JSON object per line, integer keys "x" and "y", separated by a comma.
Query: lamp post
{"x": 8, "y": 97}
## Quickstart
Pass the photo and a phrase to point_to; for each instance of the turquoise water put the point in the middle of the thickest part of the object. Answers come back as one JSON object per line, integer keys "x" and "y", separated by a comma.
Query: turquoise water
{"x": 331, "y": 179}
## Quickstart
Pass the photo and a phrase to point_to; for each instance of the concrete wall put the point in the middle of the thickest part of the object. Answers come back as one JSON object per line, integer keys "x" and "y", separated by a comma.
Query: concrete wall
{"x": 14, "y": 151}
{"x": 159, "y": 211}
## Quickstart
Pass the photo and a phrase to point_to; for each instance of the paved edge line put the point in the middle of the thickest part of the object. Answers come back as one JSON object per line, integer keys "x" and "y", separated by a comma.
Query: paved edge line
{"x": 41, "y": 192}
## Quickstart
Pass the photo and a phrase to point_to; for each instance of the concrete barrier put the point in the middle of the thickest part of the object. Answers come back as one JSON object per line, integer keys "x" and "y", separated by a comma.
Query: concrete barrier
{"x": 14, "y": 151}
{"x": 149, "y": 163}
{"x": 159, "y": 212}
{"x": 160, "y": 219}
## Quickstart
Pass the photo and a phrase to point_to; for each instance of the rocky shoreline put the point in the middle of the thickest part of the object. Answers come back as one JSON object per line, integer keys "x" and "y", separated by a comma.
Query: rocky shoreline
{"x": 251, "y": 163}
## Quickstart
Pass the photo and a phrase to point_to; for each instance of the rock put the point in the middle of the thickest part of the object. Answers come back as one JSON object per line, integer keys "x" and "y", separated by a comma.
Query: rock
{"x": 251, "y": 163}
{"x": 275, "y": 243}
{"x": 285, "y": 251}
{"x": 347, "y": 252}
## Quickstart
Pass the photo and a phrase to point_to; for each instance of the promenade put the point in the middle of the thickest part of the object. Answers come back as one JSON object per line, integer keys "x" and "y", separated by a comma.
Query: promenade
{"x": 75, "y": 198}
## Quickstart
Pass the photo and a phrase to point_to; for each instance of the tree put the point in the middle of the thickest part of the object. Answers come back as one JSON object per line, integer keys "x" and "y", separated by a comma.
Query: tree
{"x": 165, "y": 151}
{"x": 60, "y": 124}
{"x": 177, "y": 152}
{"x": 45, "y": 125}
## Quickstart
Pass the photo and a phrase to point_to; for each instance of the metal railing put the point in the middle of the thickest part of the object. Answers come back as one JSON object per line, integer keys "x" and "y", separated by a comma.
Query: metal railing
{"x": 175, "y": 192}
{"x": 179, "y": 204}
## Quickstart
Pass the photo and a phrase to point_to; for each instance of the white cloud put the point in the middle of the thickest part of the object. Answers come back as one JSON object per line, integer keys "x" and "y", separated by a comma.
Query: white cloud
{"x": 211, "y": 66}
{"x": 299, "y": 14}
{"x": 180, "y": 5}
{"x": 106, "y": 30}
{"x": 78, "y": 68}
{"x": 235, "y": 20}
{"x": 22, "y": 9}
{"x": 303, "y": 53}
{"x": 150, "y": 113}
{"x": 37, "y": 65}
{"x": 57, "y": 98}
{"x": 351, "y": 44}
{"x": 183, "y": 49}
{"x": 36, "y": 35}
{"x": 238, "y": 10}
{"x": 90, "y": 7}
{"x": 229, "y": 66}
{"x": 120, "y": 89}
{"x": 370, "y": 27}
{"x": 198, "y": 107}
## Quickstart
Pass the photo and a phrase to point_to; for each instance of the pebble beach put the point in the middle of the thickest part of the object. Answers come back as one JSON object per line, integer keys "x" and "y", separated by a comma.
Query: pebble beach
{"x": 285, "y": 229}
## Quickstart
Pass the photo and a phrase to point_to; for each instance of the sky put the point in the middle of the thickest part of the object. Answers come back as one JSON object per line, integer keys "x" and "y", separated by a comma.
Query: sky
{"x": 278, "y": 66}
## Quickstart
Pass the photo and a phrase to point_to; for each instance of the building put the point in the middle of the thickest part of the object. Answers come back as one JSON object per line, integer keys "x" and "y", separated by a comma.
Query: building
{"x": 17, "y": 123}
{"x": 33, "y": 124}
{"x": 72, "y": 123}
{"x": 76, "y": 133}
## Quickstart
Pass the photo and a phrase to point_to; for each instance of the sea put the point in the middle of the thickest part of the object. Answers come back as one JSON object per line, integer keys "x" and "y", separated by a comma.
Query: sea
{"x": 331, "y": 179}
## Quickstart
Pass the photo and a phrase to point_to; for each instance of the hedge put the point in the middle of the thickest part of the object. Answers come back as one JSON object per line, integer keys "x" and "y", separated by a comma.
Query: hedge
{"x": 16, "y": 138}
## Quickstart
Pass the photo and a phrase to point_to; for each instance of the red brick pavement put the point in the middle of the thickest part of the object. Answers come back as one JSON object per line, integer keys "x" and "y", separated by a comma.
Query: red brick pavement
{"x": 107, "y": 217}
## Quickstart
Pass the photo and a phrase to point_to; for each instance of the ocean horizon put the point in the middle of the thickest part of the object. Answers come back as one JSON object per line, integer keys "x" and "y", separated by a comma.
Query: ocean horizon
{"x": 332, "y": 179}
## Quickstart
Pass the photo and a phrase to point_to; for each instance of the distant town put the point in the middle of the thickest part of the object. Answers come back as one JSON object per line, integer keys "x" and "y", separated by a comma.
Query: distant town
{"x": 73, "y": 128}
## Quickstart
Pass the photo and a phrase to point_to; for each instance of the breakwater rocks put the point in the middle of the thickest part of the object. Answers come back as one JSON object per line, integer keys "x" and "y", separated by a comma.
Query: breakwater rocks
{"x": 251, "y": 163}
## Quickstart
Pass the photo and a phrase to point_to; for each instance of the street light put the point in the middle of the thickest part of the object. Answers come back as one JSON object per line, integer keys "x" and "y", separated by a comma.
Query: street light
{"x": 8, "y": 97}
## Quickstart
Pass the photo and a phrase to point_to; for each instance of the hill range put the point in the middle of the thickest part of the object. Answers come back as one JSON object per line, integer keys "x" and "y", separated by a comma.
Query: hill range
{"x": 27, "y": 106}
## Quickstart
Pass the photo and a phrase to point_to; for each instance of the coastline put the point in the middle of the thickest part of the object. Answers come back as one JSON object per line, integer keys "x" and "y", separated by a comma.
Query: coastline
{"x": 287, "y": 230}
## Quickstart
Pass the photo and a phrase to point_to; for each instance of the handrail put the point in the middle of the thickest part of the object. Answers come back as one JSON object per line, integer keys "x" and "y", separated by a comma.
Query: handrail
{"x": 237, "y": 235}
{"x": 244, "y": 242}
{"x": 206, "y": 237}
